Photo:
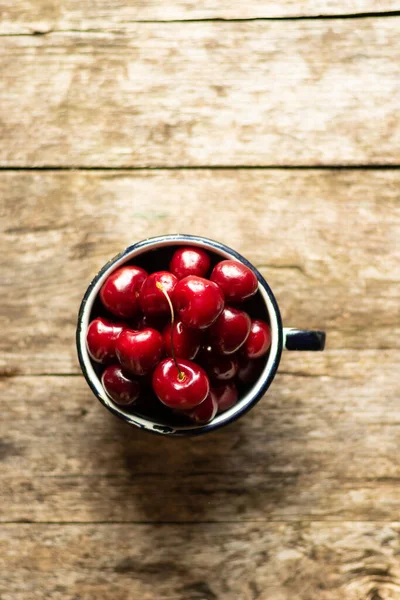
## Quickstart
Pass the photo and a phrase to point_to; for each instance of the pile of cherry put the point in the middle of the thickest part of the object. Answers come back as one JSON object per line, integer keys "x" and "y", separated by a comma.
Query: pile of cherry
{"x": 183, "y": 334}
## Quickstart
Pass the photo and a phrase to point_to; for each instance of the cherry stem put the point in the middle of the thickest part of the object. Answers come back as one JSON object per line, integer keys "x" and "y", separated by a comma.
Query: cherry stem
{"x": 181, "y": 375}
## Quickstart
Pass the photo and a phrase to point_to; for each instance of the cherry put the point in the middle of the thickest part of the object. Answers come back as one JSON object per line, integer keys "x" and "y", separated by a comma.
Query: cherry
{"x": 218, "y": 366}
{"x": 189, "y": 261}
{"x": 119, "y": 387}
{"x": 259, "y": 340}
{"x": 225, "y": 394}
{"x": 204, "y": 412}
{"x": 181, "y": 385}
{"x": 139, "y": 351}
{"x": 229, "y": 331}
{"x": 249, "y": 370}
{"x": 186, "y": 342}
{"x": 237, "y": 281}
{"x": 152, "y": 300}
{"x": 120, "y": 291}
{"x": 101, "y": 338}
{"x": 198, "y": 301}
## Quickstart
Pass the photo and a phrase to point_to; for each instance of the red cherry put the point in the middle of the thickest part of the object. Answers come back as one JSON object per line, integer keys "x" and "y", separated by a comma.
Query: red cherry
{"x": 101, "y": 338}
{"x": 229, "y": 331}
{"x": 237, "y": 281}
{"x": 249, "y": 370}
{"x": 119, "y": 387}
{"x": 186, "y": 342}
{"x": 189, "y": 261}
{"x": 139, "y": 351}
{"x": 259, "y": 340}
{"x": 204, "y": 412}
{"x": 226, "y": 395}
{"x": 198, "y": 301}
{"x": 120, "y": 291}
{"x": 183, "y": 389}
{"x": 152, "y": 300}
{"x": 218, "y": 366}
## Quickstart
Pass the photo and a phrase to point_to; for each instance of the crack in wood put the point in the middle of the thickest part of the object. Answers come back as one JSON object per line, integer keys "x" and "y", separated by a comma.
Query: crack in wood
{"x": 218, "y": 167}
{"x": 221, "y": 20}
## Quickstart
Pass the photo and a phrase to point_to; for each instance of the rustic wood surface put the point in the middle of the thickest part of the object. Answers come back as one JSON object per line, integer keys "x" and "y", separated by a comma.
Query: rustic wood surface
{"x": 42, "y": 16}
{"x": 202, "y": 562}
{"x": 335, "y": 265}
{"x": 315, "y": 448}
{"x": 208, "y": 93}
{"x": 300, "y": 499}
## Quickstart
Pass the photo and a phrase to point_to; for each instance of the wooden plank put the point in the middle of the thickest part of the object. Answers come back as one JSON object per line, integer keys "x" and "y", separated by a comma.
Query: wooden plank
{"x": 278, "y": 561}
{"x": 322, "y": 444}
{"x": 25, "y": 16}
{"x": 327, "y": 242}
{"x": 211, "y": 93}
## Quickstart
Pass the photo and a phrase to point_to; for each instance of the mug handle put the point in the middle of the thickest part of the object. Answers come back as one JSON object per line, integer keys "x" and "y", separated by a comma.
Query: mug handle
{"x": 303, "y": 339}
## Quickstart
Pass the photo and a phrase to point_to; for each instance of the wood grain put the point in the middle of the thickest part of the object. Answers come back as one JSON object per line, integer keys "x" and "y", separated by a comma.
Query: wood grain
{"x": 211, "y": 93}
{"x": 299, "y": 500}
{"x": 27, "y": 16}
{"x": 317, "y": 561}
{"x": 332, "y": 264}
{"x": 322, "y": 444}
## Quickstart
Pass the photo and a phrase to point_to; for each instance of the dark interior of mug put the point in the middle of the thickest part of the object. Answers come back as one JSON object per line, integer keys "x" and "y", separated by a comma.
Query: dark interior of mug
{"x": 148, "y": 407}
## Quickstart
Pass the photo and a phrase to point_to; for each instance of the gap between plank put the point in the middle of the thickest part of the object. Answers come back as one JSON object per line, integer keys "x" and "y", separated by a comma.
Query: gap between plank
{"x": 357, "y": 15}
{"x": 349, "y": 167}
{"x": 302, "y": 519}
{"x": 280, "y": 475}
{"x": 11, "y": 375}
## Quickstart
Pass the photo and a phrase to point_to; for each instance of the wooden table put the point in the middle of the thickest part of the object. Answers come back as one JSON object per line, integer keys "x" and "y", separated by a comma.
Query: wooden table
{"x": 275, "y": 128}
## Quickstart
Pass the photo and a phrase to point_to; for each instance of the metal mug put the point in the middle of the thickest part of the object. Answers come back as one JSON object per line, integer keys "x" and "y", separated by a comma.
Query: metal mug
{"x": 281, "y": 337}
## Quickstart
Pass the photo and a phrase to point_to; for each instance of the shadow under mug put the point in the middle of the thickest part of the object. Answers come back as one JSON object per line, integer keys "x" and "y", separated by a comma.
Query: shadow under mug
{"x": 281, "y": 337}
